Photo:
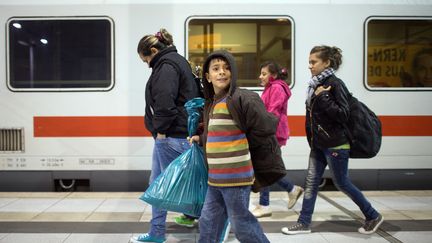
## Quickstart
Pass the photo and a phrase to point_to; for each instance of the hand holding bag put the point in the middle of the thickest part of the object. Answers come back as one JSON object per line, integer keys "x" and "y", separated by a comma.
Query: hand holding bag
{"x": 183, "y": 185}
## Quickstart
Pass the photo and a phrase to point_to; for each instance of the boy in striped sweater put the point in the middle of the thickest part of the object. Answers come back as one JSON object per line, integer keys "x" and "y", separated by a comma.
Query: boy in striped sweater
{"x": 235, "y": 121}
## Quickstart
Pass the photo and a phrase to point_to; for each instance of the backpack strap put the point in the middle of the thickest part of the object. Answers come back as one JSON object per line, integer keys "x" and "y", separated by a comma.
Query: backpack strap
{"x": 351, "y": 101}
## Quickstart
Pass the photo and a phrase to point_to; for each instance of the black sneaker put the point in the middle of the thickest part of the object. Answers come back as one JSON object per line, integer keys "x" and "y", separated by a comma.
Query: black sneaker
{"x": 298, "y": 228}
{"x": 370, "y": 226}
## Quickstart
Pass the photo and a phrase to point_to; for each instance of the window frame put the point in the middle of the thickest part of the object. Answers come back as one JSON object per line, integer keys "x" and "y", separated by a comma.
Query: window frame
{"x": 365, "y": 53}
{"x": 42, "y": 18}
{"x": 247, "y": 17}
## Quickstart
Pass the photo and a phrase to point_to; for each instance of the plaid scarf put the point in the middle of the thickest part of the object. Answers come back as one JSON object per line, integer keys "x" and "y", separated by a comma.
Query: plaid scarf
{"x": 315, "y": 81}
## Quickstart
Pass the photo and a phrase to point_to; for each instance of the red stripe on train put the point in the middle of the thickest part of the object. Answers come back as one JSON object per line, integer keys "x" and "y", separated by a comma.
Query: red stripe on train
{"x": 133, "y": 126}
{"x": 89, "y": 126}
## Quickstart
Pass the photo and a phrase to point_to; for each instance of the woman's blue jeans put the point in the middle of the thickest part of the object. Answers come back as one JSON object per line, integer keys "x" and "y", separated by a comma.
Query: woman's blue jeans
{"x": 222, "y": 203}
{"x": 337, "y": 160}
{"x": 164, "y": 152}
{"x": 284, "y": 182}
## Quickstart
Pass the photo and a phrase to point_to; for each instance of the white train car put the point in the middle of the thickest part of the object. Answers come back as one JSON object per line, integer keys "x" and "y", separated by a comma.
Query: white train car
{"x": 72, "y": 84}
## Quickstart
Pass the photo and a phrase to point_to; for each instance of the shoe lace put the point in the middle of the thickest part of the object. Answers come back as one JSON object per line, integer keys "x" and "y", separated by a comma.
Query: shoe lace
{"x": 296, "y": 227}
{"x": 368, "y": 225}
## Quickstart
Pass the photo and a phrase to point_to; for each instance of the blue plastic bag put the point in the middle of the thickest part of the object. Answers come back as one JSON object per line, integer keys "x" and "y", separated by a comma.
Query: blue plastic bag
{"x": 183, "y": 185}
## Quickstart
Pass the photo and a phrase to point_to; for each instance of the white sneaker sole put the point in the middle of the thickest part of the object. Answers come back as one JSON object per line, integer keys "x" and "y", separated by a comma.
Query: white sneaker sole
{"x": 263, "y": 215}
{"x": 186, "y": 225}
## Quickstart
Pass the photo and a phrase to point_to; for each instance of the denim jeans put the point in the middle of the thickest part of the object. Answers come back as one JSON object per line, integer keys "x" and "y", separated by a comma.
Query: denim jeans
{"x": 164, "y": 152}
{"x": 337, "y": 160}
{"x": 231, "y": 203}
{"x": 264, "y": 199}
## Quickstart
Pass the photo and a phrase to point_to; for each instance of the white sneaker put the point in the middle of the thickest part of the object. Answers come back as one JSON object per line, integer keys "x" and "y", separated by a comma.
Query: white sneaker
{"x": 262, "y": 211}
{"x": 295, "y": 229}
{"x": 294, "y": 196}
{"x": 370, "y": 226}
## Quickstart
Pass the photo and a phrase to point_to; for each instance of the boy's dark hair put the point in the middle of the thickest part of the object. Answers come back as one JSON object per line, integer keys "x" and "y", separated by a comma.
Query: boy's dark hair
{"x": 216, "y": 58}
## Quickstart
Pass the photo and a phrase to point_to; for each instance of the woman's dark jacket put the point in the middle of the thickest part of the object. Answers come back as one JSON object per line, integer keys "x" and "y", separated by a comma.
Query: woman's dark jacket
{"x": 327, "y": 114}
{"x": 169, "y": 87}
{"x": 249, "y": 112}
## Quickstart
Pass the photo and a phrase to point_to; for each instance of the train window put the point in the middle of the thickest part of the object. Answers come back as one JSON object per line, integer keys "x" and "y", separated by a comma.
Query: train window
{"x": 60, "y": 54}
{"x": 251, "y": 40}
{"x": 398, "y": 53}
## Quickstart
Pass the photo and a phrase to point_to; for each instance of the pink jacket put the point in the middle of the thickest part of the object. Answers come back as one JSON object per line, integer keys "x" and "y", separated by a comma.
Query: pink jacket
{"x": 275, "y": 97}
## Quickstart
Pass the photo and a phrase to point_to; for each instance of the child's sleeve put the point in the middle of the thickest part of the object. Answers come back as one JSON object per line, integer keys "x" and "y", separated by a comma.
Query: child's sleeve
{"x": 258, "y": 120}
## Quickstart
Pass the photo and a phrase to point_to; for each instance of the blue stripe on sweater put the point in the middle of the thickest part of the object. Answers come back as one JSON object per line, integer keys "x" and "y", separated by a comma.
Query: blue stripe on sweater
{"x": 231, "y": 176}
{"x": 225, "y": 138}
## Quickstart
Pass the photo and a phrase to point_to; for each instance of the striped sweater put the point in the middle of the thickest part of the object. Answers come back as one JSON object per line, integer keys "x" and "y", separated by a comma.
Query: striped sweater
{"x": 227, "y": 150}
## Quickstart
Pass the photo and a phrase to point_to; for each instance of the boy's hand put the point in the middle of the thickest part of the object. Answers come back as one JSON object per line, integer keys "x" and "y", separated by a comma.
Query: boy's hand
{"x": 194, "y": 138}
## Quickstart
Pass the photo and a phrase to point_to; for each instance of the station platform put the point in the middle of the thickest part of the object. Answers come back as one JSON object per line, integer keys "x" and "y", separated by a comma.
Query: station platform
{"x": 113, "y": 217}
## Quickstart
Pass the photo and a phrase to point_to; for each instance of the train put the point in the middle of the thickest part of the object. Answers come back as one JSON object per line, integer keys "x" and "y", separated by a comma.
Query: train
{"x": 72, "y": 84}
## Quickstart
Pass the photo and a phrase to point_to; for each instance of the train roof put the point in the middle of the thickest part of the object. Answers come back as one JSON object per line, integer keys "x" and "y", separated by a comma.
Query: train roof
{"x": 107, "y": 2}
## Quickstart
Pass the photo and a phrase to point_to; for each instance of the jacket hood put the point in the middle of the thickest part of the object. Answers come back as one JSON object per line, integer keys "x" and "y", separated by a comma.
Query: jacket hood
{"x": 208, "y": 87}
{"x": 283, "y": 84}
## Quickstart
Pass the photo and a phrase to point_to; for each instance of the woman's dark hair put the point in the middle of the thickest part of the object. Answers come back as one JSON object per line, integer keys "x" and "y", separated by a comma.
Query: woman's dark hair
{"x": 275, "y": 69}
{"x": 161, "y": 40}
{"x": 325, "y": 53}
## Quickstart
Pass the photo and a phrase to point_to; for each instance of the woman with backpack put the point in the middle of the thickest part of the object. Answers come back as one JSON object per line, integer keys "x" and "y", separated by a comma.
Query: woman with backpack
{"x": 327, "y": 112}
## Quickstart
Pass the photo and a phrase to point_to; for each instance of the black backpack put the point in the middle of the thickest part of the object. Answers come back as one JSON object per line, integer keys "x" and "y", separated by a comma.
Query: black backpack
{"x": 363, "y": 129}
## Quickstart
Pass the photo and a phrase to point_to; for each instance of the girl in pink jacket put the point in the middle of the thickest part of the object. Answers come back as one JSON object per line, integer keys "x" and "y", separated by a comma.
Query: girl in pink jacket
{"x": 275, "y": 97}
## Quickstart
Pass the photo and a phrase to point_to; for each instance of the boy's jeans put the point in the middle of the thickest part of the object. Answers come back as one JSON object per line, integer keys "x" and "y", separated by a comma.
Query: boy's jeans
{"x": 164, "y": 152}
{"x": 284, "y": 182}
{"x": 337, "y": 160}
{"x": 232, "y": 202}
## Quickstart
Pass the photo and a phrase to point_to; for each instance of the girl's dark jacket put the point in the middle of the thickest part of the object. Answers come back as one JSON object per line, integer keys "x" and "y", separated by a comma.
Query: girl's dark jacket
{"x": 169, "y": 87}
{"x": 249, "y": 112}
{"x": 327, "y": 114}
